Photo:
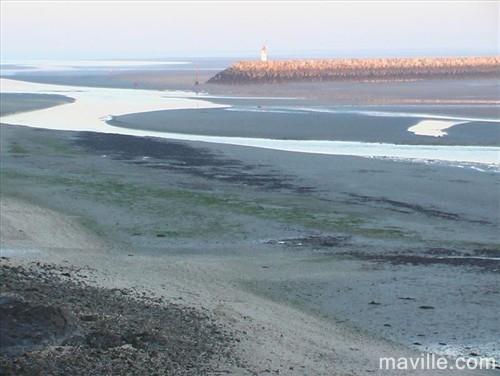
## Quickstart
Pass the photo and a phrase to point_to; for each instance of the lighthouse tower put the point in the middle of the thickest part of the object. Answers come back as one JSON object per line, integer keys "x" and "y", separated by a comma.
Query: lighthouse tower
{"x": 263, "y": 54}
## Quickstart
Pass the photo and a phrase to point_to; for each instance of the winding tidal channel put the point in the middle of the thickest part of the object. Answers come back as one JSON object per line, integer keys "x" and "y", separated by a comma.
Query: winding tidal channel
{"x": 93, "y": 107}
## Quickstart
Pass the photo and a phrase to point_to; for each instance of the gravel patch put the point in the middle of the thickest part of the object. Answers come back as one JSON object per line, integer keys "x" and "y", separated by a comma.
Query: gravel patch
{"x": 53, "y": 322}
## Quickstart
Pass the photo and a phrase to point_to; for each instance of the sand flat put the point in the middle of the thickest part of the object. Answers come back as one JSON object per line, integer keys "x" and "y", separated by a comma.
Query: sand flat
{"x": 94, "y": 106}
{"x": 202, "y": 262}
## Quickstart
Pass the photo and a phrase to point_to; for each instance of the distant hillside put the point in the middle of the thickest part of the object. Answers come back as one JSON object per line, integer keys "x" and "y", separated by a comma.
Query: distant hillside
{"x": 357, "y": 69}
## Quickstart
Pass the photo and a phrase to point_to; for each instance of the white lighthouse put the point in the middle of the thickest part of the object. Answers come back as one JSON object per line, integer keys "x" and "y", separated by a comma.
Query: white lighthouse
{"x": 263, "y": 54}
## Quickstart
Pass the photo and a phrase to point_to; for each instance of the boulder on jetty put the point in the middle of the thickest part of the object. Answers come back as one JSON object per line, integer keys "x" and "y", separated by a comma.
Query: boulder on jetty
{"x": 358, "y": 69}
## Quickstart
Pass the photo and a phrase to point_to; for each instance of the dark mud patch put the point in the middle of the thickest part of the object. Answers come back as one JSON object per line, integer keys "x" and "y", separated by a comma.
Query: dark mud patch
{"x": 315, "y": 241}
{"x": 484, "y": 263}
{"x": 11, "y": 103}
{"x": 493, "y": 253}
{"x": 65, "y": 327}
{"x": 405, "y": 207}
{"x": 442, "y": 252}
{"x": 180, "y": 157}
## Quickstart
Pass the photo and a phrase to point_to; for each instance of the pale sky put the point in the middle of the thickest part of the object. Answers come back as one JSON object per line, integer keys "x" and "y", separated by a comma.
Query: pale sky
{"x": 152, "y": 29}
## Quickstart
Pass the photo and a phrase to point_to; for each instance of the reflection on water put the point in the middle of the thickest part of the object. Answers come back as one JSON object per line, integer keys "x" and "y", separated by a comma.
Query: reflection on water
{"x": 94, "y": 106}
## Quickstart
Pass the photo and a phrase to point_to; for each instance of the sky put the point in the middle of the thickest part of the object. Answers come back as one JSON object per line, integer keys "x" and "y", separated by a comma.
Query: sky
{"x": 154, "y": 29}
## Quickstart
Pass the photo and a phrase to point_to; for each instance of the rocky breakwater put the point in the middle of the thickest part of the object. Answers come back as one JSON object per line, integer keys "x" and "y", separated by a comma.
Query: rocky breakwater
{"x": 358, "y": 69}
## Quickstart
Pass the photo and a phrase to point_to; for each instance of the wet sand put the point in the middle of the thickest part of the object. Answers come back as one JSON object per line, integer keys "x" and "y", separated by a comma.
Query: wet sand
{"x": 93, "y": 107}
{"x": 13, "y": 103}
{"x": 347, "y": 249}
{"x": 232, "y": 209}
{"x": 421, "y": 92}
{"x": 295, "y": 123}
{"x": 179, "y": 277}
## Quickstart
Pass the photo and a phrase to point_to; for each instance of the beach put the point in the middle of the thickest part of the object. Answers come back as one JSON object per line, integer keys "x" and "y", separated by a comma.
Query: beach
{"x": 95, "y": 108}
{"x": 252, "y": 188}
{"x": 312, "y": 263}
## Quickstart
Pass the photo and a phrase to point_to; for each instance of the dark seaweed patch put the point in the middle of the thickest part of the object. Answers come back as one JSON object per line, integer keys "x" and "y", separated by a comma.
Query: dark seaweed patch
{"x": 180, "y": 157}
{"x": 317, "y": 241}
{"x": 406, "y": 207}
{"x": 487, "y": 264}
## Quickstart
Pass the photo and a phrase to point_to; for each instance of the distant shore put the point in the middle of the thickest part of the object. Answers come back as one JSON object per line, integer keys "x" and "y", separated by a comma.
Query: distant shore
{"x": 392, "y": 69}
{"x": 475, "y": 93}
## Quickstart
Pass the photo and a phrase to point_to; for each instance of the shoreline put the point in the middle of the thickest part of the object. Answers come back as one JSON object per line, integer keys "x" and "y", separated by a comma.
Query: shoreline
{"x": 421, "y": 92}
{"x": 247, "y": 232}
{"x": 111, "y": 269}
{"x": 380, "y": 125}
{"x": 90, "y": 112}
{"x": 239, "y": 248}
